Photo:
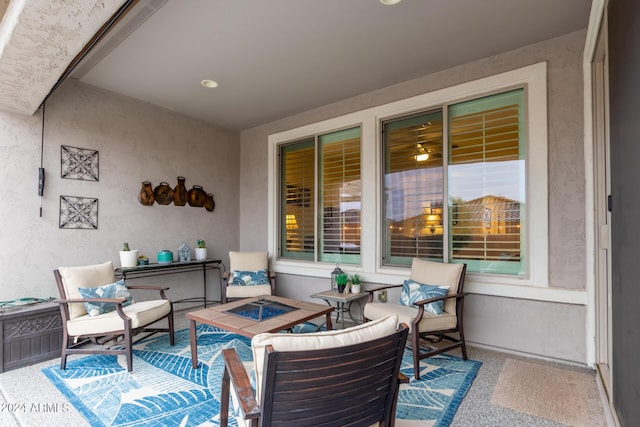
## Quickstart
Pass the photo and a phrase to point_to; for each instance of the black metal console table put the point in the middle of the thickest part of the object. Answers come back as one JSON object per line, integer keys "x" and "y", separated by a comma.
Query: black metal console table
{"x": 173, "y": 268}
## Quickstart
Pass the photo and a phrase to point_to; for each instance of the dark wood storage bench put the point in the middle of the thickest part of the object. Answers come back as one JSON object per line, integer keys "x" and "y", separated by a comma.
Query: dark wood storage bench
{"x": 30, "y": 334}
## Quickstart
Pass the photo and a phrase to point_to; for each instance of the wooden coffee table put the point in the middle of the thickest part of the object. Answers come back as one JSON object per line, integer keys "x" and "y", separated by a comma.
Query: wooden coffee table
{"x": 219, "y": 317}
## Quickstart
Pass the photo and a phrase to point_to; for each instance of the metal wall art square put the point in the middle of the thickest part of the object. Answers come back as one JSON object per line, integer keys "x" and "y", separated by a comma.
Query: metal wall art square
{"x": 79, "y": 163}
{"x": 78, "y": 212}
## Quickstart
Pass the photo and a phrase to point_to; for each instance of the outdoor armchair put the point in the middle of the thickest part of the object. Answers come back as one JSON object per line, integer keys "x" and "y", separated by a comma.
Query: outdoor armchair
{"x": 248, "y": 276}
{"x": 332, "y": 378}
{"x": 434, "y": 318}
{"x": 105, "y": 312}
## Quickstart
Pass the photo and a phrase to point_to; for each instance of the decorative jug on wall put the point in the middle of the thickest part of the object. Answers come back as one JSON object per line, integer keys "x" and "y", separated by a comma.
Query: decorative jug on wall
{"x": 209, "y": 203}
{"x": 163, "y": 194}
{"x": 196, "y": 196}
{"x": 180, "y": 193}
{"x": 146, "y": 196}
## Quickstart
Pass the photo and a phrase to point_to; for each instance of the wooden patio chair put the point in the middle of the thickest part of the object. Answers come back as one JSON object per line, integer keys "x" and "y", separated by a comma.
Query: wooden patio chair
{"x": 124, "y": 320}
{"x": 423, "y": 321}
{"x": 334, "y": 378}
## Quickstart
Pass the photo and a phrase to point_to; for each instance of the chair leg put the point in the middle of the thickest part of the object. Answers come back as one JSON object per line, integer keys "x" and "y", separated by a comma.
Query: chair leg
{"x": 172, "y": 339}
{"x": 416, "y": 352}
{"x": 63, "y": 353}
{"x": 463, "y": 344}
{"x": 128, "y": 345}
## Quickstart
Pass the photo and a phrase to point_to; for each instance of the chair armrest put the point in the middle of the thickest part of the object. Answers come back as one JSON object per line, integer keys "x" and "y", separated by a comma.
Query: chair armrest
{"x": 442, "y": 298}
{"x": 118, "y": 301}
{"x": 149, "y": 288}
{"x": 160, "y": 289}
{"x": 235, "y": 371}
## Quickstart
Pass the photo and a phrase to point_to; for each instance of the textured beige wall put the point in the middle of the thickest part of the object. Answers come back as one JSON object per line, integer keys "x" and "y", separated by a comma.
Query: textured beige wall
{"x": 566, "y": 190}
{"x": 136, "y": 142}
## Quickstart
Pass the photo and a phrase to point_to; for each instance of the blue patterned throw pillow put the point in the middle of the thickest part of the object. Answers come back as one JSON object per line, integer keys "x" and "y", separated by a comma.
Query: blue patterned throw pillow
{"x": 112, "y": 290}
{"x": 414, "y": 291}
{"x": 249, "y": 278}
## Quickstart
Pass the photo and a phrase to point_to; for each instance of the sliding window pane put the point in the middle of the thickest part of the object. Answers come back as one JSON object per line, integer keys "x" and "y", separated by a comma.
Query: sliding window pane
{"x": 486, "y": 178}
{"x": 340, "y": 194}
{"x": 297, "y": 237}
{"x": 413, "y": 193}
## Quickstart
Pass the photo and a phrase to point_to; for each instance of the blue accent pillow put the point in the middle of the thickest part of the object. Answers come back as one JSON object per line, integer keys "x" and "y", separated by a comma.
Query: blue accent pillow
{"x": 112, "y": 290}
{"x": 249, "y": 278}
{"x": 414, "y": 291}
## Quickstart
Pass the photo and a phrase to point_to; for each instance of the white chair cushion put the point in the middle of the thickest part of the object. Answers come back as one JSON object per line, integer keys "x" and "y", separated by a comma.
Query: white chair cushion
{"x": 248, "y": 261}
{"x": 248, "y": 291}
{"x": 429, "y": 322}
{"x": 141, "y": 313}
{"x": 88, "y": 276}
{"x": 317, "y": 340}
{"x": 438, "y": 274}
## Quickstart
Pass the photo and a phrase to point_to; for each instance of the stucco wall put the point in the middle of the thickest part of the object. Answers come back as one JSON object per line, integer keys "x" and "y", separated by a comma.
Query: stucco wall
{"x": 566, "y": 191}
{"x": 136, "y": 142}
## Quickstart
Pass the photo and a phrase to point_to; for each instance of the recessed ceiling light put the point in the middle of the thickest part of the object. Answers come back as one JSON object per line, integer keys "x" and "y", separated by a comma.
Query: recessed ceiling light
{"x": 390, "y": 2}
{"x": 209, "y": 83}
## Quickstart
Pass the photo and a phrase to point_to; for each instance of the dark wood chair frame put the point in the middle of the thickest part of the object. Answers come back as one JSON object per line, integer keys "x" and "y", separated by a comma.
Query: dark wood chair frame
{"x": 354, "y": 385}
{"x": 126, "y": 333}
{"x": 225, "y": 282}
{"x": 436, "y": 336}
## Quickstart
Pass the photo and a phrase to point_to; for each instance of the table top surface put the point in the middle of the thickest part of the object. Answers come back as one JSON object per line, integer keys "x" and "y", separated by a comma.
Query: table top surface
{"x": 164, "y": 265}
{"x": 219, "y": 317}
{"x": 339, "y": 296}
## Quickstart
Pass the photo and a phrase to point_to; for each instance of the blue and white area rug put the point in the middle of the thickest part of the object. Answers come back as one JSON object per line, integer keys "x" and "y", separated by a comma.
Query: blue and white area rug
{"x": 164, "y": 390}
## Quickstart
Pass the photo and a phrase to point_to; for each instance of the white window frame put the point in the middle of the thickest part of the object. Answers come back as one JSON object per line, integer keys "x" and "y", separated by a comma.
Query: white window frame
{"x": 536, "y": 285}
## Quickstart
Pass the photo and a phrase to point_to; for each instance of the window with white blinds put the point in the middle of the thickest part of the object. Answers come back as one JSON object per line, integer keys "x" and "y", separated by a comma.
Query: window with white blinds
{"x": 486, "y": 182}
{"x": 455, "y": 175}
{"x": 336, "y": 236}
{"x": 413, "y": 189}
{"x": 482, "y": 221}
{"x": 340, "y": 196}
{"x": 297, "y": 221}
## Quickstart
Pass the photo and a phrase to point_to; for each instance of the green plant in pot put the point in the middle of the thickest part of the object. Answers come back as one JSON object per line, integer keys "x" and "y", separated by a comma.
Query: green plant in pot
{"x": 128, "y": 257}
{"x": 201, "y": 250}
{"x": 341, "y": 281}
{"x": 356, "y": 284}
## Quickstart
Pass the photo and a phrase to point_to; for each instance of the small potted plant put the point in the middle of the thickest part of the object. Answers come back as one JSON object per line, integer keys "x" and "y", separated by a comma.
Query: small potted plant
{"x": 201, "y": 250}
{"x": 356, "y": 286}
{"x": 128, "y": 257}
{"x": 341, "y": 281}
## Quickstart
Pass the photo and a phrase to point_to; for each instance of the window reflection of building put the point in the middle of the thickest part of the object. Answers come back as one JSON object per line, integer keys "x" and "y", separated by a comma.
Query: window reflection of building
{"x": 487, "y": 228}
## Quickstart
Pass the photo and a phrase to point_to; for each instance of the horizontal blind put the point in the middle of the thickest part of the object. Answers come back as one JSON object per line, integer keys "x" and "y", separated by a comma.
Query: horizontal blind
{"x": 298, "y": 210}
{"x": 413, "y": 179}
{"x": 340, "y": 195}
{"x": 486, "y": 181}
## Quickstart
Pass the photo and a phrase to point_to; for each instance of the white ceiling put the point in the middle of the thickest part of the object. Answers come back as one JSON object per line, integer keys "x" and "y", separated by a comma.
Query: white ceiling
{"x": 276, "y": 58}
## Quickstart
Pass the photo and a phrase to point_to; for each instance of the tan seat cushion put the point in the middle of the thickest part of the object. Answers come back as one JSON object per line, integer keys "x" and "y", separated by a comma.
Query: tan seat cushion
{"x": 405, "y": 314}
{"x": 141, "y": 314}
{"x": 89, "y": 276}
{"x": 311, "y": 341}
{"x": 248, "y": 291}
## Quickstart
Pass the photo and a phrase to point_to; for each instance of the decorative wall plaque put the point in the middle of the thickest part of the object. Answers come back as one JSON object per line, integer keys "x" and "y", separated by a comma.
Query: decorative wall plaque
{"x": 79, "y": 163}
{"x": 78, "y": 212}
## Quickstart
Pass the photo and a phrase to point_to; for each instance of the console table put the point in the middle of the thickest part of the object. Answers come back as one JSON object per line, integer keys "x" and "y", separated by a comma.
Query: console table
{"x": 162, "y": 269}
